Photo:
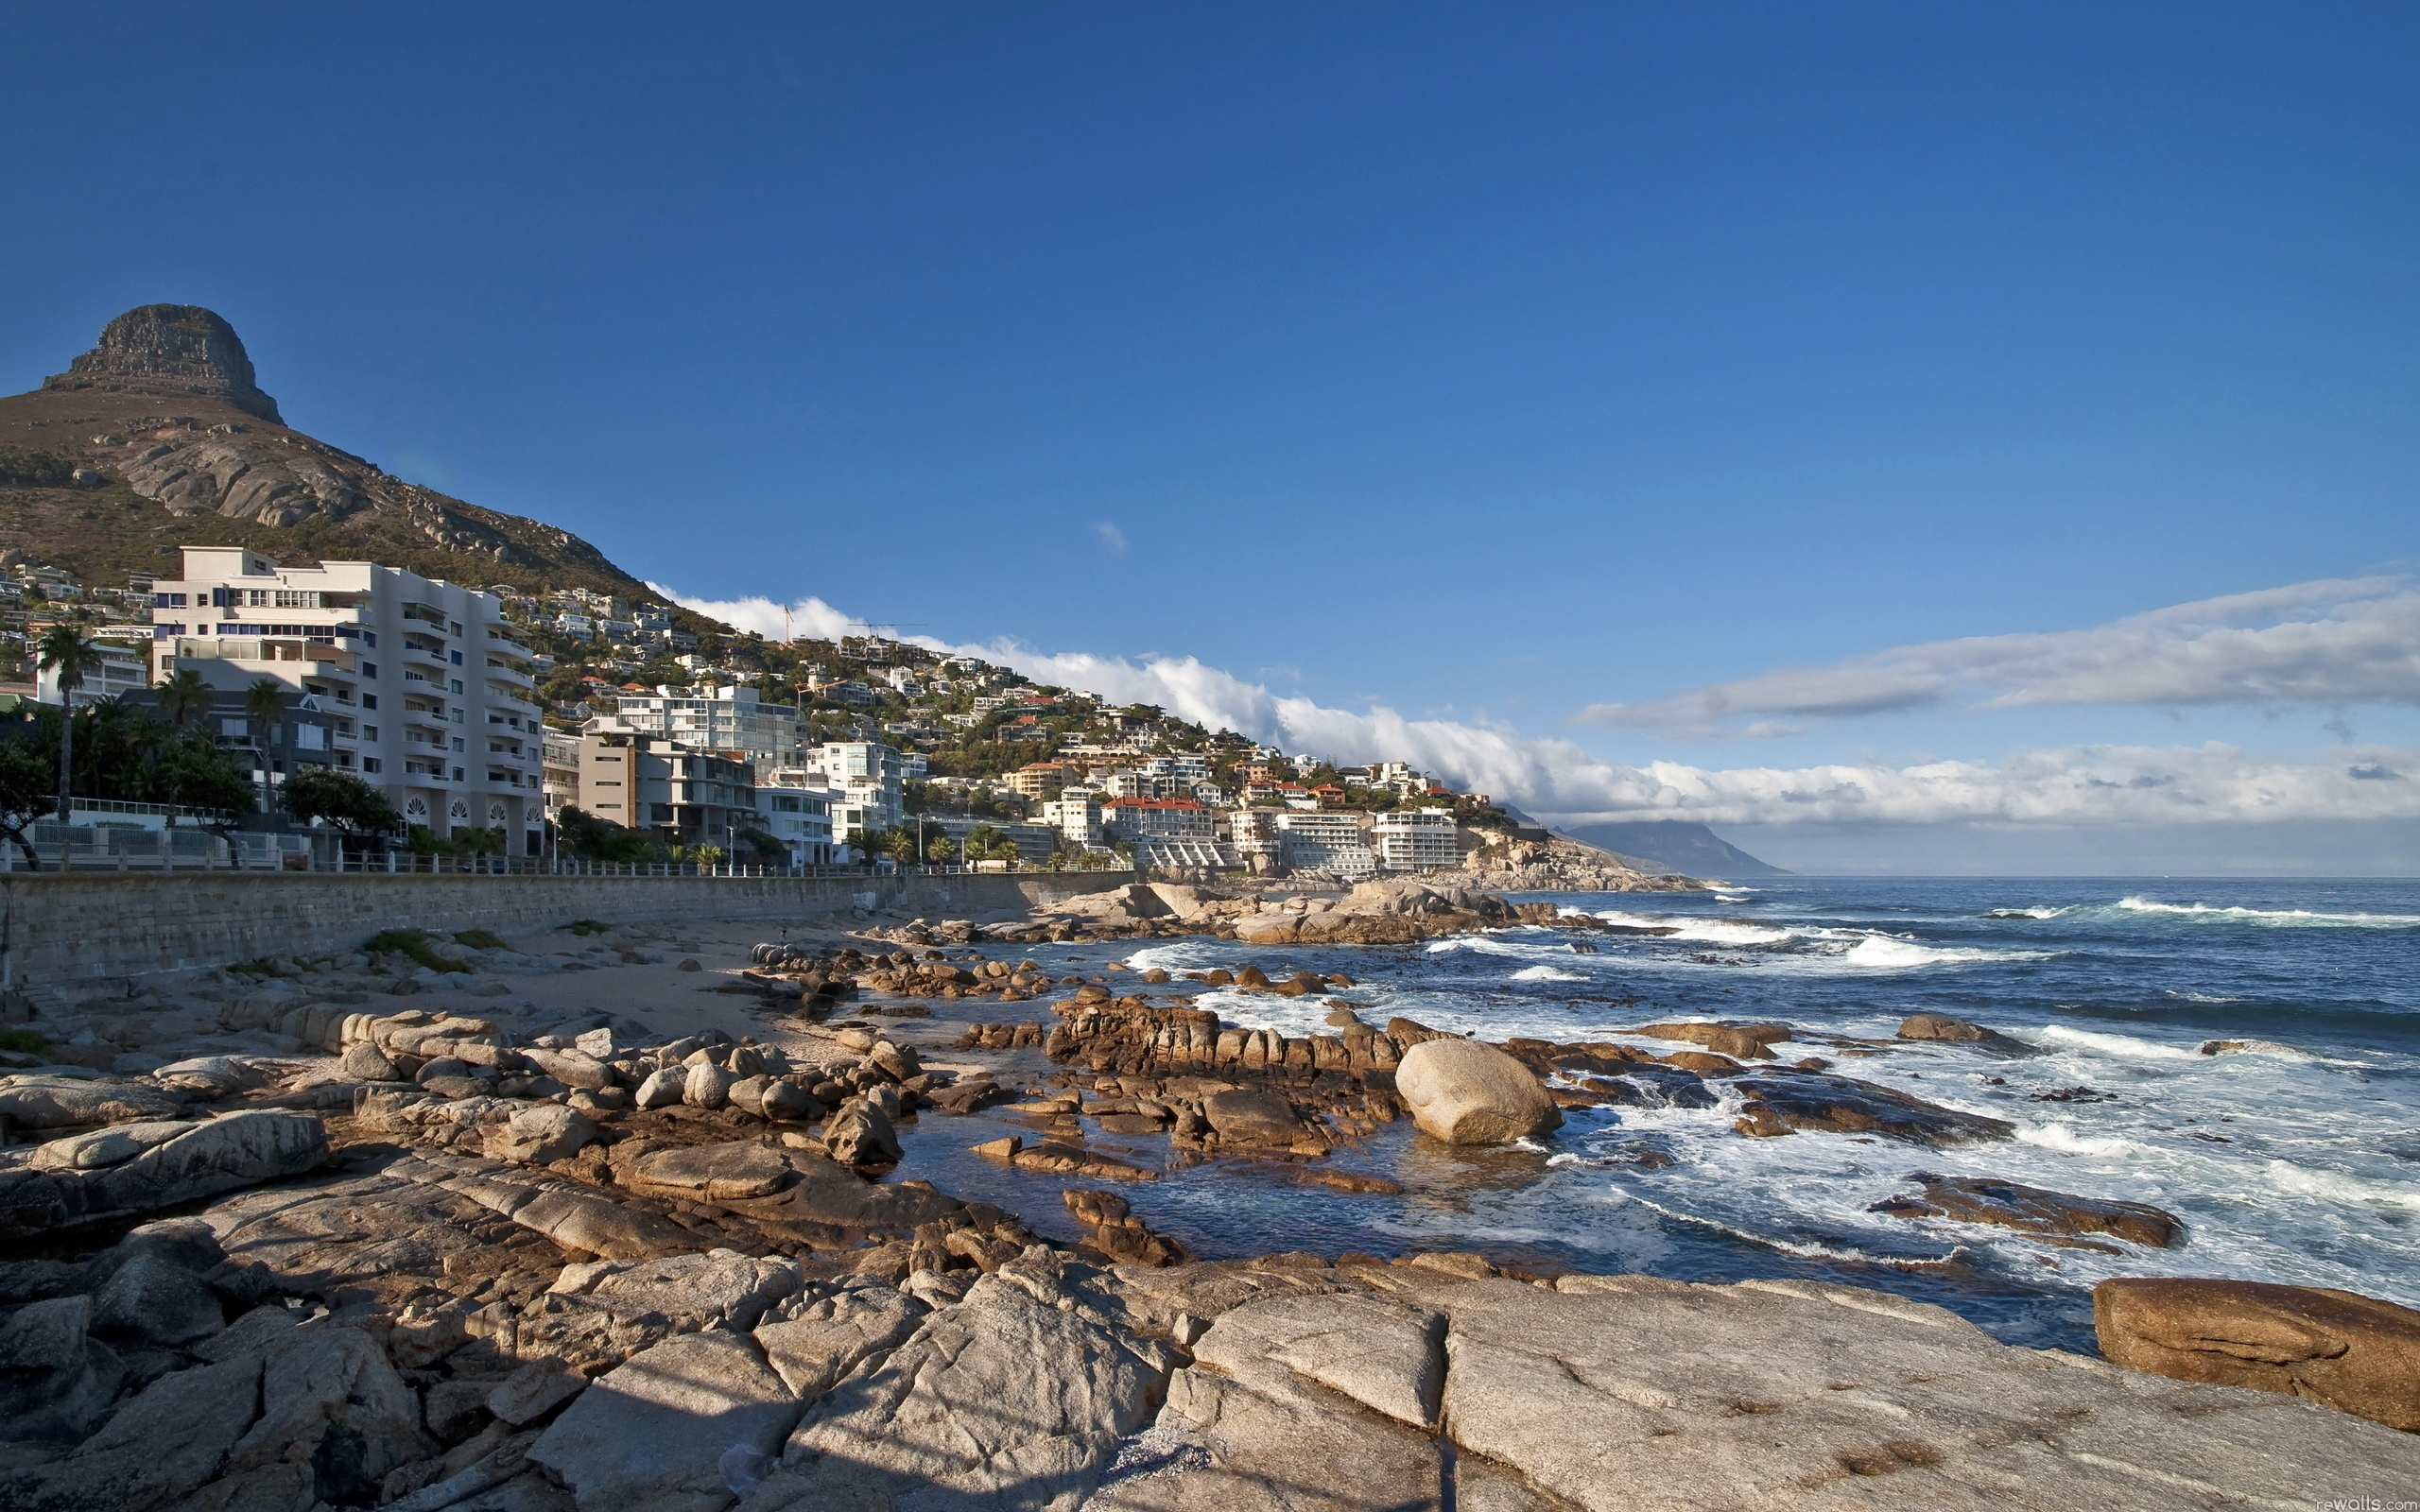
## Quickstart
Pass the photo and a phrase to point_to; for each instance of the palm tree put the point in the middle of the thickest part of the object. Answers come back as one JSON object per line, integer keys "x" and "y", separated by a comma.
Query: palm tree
{"x": 183, "y": 698}
{"x": 264, "y": 710}
{"x": 68, "y": 655}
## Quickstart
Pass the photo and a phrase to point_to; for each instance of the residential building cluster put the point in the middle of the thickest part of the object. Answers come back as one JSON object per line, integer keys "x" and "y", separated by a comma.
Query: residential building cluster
{"x": 496, "y": 709}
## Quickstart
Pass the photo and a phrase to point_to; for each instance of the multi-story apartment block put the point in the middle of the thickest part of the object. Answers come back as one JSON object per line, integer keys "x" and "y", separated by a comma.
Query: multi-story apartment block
{"x": 869, "y": 777}
{"x": 126, "y": 665}
{"x": 1129, "y": 818}
{"x": 1076, "y": 816}
{"x": 794, "y": 807}
{"x": 428, "y": 691}
{"x": 1417, "y": 840}
{"x": 646, "y": 783}
{"x": 727, "y": 718}
{"x": 1312, "y": 841}
{"x": 1039, "y": 780}
{"x": 1188, "y": 768}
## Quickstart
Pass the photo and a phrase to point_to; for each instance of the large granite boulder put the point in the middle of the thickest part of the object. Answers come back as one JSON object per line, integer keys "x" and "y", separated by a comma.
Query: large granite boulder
{"x": 55, "y": 1381}
{"x": 1465, "y": 1093}
{"x": 541, "y": 1135}
{"x": 2352, "y": 1352}
{"x": 158, "y": 1165}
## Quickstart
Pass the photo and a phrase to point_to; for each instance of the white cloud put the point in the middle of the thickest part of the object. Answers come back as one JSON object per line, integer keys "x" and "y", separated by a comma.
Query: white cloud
{"x": 809, "y": 617}
{"x": 1557, "y": 780}
{"x": 2331, "y": 643}
{"x": 1111, "y": 539}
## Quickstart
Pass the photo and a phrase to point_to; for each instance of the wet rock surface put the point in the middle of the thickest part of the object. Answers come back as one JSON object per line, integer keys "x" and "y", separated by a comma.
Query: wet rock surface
{"x": 1789, "y": 1101}
{"x": 2034, "y": 1210}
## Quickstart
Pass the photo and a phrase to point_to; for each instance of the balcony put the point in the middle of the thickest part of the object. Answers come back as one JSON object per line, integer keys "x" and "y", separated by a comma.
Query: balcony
{"x": 263, "y": 648}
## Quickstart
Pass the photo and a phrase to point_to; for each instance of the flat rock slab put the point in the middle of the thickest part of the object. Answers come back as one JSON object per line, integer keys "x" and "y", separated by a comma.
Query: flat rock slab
{"x": 815, "y": 1346}
{"x": 1015, "y": 1398}
{"x": 2055, "y": 1215}
{"x": 1633, "y": 1392}
{"x": 712, "y": 1172}
{"x": 693, "y": 1291}
{"x": 656, "y": 1431}
{"x": 1386, "y": 1356}
{"x": 193, "y": 1161}
{"x": 1843, "y": 1104}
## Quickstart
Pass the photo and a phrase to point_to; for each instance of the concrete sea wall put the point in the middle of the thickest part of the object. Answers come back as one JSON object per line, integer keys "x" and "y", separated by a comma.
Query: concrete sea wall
{"x": 90, "y": 930}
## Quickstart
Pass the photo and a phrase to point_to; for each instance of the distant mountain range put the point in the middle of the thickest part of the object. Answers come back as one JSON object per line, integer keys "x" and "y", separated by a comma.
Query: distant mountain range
{"x": 158, "y": 436}
{"x": 1674, "y": 845}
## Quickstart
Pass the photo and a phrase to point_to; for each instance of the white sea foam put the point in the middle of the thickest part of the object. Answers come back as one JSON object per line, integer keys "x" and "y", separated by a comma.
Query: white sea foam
{"x": 2064, "y": 1139}
{"x": 1888, "y": 953}
{"x": 2335, "y": 1186}
{"x": 2271, "y": 915}
{"x": 1716, "y": 931}
{"x": 1545, "y": 973}
{"x": 2126, "y": 1046}
{"x": 2201, "y": 997}
{"x": 2037, "y": 911}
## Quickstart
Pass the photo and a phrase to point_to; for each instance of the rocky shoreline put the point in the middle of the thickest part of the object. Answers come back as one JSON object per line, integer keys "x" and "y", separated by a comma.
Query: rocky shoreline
{"x": 369, "y": 1254}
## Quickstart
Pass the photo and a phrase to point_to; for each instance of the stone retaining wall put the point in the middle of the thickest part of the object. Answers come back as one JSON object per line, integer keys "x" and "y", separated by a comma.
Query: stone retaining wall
{"x": 88, "y": 930}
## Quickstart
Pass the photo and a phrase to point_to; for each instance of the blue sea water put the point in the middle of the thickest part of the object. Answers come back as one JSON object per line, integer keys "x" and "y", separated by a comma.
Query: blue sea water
{"x": 2295, "y": 1158}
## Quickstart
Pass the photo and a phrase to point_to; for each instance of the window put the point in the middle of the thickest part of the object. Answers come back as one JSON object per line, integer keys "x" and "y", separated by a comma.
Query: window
{"x": 458, "y": 774}
{"x": 458, "y": 743}
{"x": 371, "y": 764}
{"x": 370, "y": 700}
{"x": 310, "y": 737}
{"x": 370, "y": 731}
{"x": 369, "y": 669}
{"x": 457, "y": 685}
{"x": 458, "y": 661}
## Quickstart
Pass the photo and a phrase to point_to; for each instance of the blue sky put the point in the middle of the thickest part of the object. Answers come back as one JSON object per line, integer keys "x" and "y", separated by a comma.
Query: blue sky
{"x": 1481, "y": 366}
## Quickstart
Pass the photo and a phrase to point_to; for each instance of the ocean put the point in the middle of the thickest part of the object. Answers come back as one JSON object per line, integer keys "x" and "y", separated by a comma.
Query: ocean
{"x": 2296, "y": 1158}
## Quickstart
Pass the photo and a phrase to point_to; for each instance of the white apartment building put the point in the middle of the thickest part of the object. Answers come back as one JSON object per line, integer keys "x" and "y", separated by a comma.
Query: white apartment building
{"x": 429, "y": 693}
{"x": 1189, "y": 769}
{"x": 1077, "y": 817}
{"x": 1417, "y": 840}
{"x": 868, "y": 776}
{"x": 796, "y": 809}
{"x": 124, "y": 666}
{"x": 1337, "y": 842}
{"x": 1131, "y": 819}
{"x": 726, "y": 718}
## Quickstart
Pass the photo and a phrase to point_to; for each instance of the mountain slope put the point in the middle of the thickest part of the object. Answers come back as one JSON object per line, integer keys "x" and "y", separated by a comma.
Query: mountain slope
{"x": 1675, "y": 845}
{"x": 179, "y": 445}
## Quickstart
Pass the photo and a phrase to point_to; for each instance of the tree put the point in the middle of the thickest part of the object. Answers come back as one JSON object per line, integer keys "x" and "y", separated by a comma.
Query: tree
{"x": 264, "y": 712}
{"x": 184, "y": 698}
{"x": 594, "y": 839}
{"x": 339, "y": 798}
{"x": 70, "y": 656}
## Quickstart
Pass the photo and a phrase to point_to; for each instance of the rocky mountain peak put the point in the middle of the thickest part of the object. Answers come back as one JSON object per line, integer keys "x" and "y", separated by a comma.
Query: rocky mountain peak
{"x": 174, "y": 351}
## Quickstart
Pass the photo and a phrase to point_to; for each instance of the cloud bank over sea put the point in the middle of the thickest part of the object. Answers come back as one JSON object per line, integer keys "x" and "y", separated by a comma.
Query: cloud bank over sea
{"x": 2328, "y": 643}
{"x": 2337, "y": 643}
